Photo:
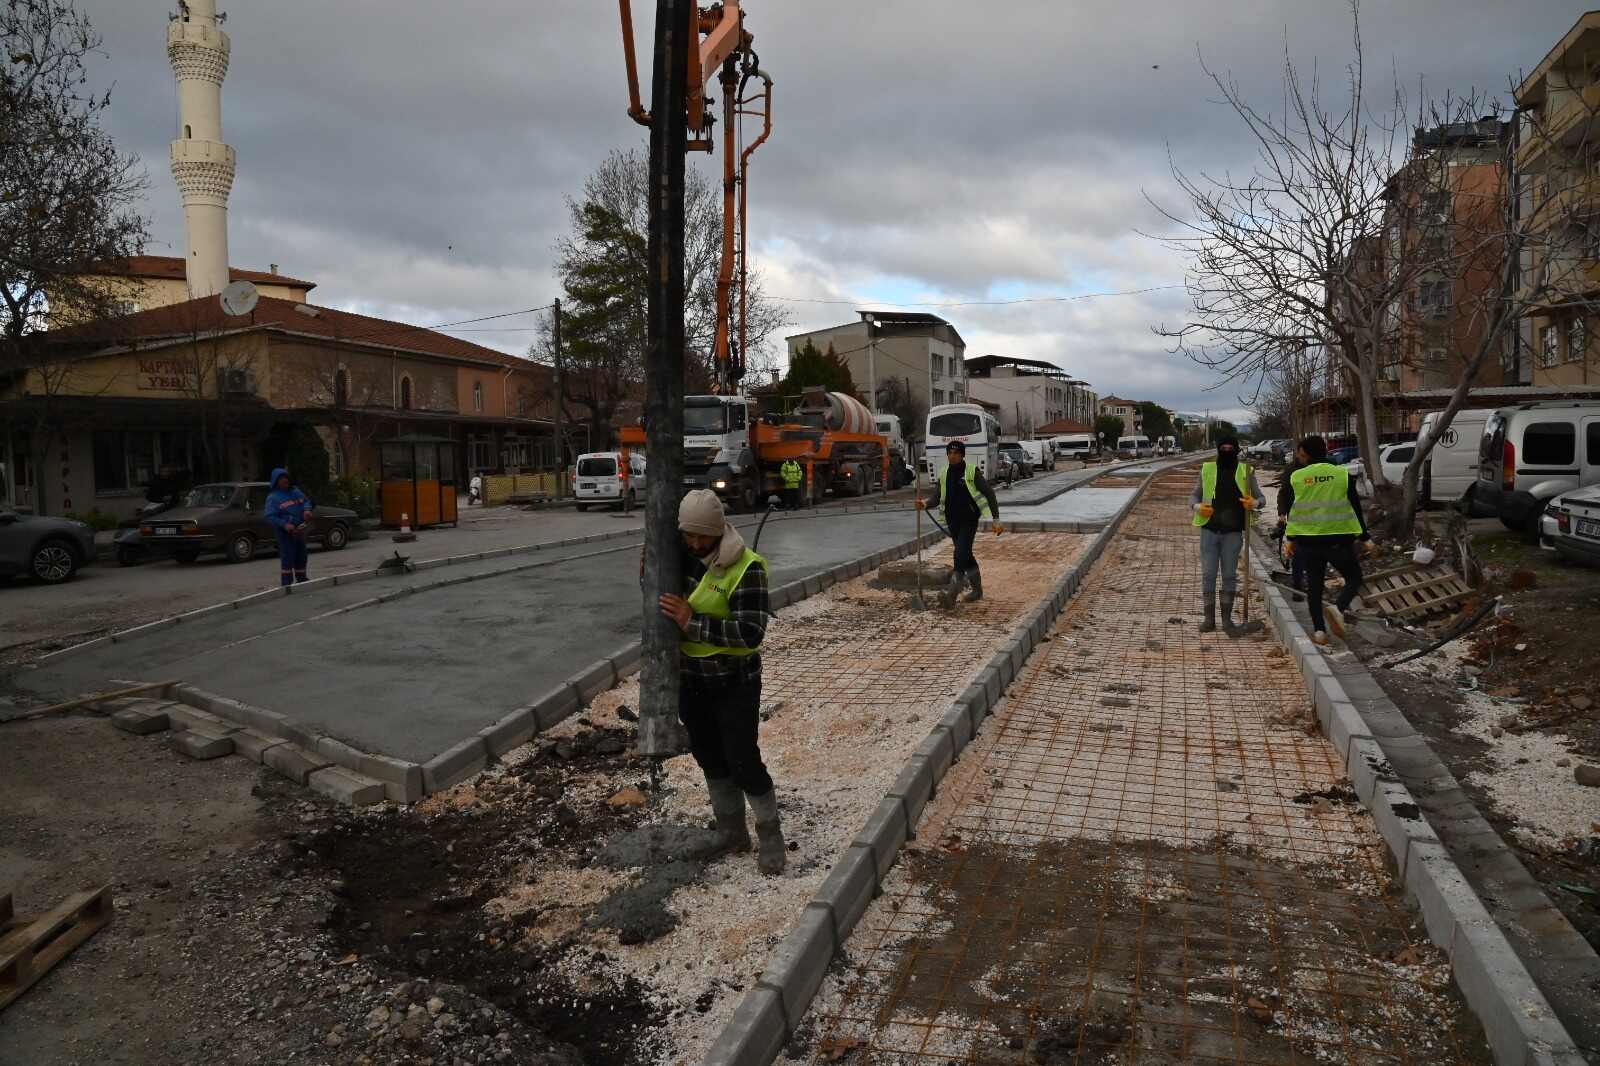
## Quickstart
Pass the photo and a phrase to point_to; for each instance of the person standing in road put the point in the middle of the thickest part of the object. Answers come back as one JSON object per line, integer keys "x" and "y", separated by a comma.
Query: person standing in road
{"x": 289, "y": 511}
{"x": 792, "y": 477}
{"x": 1223, "y": 499}
{"x": 724, "y": 620}
{"x": 1325, "y": 524}
{"x": 965, "y": 497}
{"x": 1297, "y": 564}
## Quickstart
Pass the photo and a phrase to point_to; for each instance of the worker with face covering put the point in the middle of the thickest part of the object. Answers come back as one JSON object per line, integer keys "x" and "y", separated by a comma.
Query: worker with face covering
{"x": 724, "y": 619}
{"x": 1223, "y": 497}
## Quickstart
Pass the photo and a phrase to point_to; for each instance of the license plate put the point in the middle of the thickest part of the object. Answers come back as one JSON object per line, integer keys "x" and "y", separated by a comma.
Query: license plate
{"x": 688, "y": 481}
{"x": 166, "y": 531}
{"x": 1589, "y": 529}
{"x": 586, "y": 485}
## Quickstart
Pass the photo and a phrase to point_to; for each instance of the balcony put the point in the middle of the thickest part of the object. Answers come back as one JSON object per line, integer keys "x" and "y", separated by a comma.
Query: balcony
{"x": 1573, "y": 124}
{"x": 1577, "y": 201}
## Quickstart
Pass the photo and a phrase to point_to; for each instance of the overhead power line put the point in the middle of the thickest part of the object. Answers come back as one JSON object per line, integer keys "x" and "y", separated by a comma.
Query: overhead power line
{"x": 977, "y": 303}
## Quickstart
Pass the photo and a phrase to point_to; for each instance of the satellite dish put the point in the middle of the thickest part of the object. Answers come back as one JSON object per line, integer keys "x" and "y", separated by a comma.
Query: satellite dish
{"x": 239, "y": 298}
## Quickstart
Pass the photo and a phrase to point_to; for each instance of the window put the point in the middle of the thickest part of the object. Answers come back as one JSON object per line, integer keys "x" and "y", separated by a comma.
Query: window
{"x": 1591, "y": 444}
{"x": 1549, "y": 347}
{"x": 1550, "y": 444}
{"x": 341, "y": 387}
{"x": 937, "y": 362}
{"x": 938, "y": 397}
{"x": 188, "y": 133}
{"x": 1577, "y": 339}
{"x": 477, "y": 397}
{"x": 126, "y": 461}
{"x": 405, "y": 393}
{"x": 597, "y": 466}
{"x": 954, "y": 424}
{"x": 480, "y": 453}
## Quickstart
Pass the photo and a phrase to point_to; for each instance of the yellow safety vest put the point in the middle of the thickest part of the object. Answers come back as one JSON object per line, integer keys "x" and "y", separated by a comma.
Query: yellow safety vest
{"x": 792, "y": 474}
{"x": 971, "y": 478}
{"x": 711, "y": 598}
{"x": 1322, "y": 503}
{"x": 1208, "y": 485}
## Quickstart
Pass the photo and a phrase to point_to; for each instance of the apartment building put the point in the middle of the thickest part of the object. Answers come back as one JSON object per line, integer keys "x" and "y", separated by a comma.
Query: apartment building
{"x": 1127, "y": 410}
{"x": 922, "y": 352}
{"x": 1028, "y": 393}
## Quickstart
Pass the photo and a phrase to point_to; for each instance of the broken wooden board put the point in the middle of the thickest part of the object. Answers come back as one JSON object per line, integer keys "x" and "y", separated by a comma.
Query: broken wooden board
{"x": 1409, "y": 593}
{"x": 30, "y": 947}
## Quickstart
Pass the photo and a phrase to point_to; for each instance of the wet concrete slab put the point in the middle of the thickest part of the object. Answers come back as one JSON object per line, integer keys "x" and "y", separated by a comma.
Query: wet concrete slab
{"x": 411, "y": 677}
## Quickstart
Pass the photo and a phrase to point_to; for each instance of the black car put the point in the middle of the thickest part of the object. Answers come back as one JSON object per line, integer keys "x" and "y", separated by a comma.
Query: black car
{"x": 227, "y": 517}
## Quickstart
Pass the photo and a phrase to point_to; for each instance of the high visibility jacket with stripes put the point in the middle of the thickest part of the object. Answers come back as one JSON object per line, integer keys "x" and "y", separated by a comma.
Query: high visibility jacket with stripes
{"x": 1322, "y": 503}
{"x": 1208, "y": 485}
{"x": 792, "y": 474}
{"x": 970, "y": 477}
{"x": 711, "y": 598}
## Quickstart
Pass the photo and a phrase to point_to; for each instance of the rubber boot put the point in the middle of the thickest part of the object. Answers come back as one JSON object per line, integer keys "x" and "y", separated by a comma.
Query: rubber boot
{"x": 727, "y": 804}
{"x": 1227, "y": 616}
{"x": 947, "y": 598}
{"x": 975, "y": 579}
{"x": 1209, "y": 623}
{"x": 771, "y": 851}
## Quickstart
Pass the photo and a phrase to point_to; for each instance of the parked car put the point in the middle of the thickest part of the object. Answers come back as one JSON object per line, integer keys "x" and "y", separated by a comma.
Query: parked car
{"x": 1021, "y": 461}
{"x": 227, "y": 517}
{"x": 1571, "y": 525}
{"x": 1262, "y": 449}
{"x": 1532, "y": 453}
{"x": 1041, "y": 453}
{"x": 49, "y": 550}
{"x": 1341, "y": 456}
{"x": 597, "y": 479}
{"x": 1452, "y": 466}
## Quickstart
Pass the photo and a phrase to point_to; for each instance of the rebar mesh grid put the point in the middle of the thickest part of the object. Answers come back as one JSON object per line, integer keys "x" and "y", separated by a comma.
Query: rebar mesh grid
{"x": 1144, "y": 858}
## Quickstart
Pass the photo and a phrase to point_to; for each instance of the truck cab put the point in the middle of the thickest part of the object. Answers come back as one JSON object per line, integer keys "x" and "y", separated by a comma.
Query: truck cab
{"x": 716, "y": 447}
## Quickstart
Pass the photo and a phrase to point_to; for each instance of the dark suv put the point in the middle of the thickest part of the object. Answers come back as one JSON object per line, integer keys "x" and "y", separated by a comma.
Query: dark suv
{"x": 227, "y": 517}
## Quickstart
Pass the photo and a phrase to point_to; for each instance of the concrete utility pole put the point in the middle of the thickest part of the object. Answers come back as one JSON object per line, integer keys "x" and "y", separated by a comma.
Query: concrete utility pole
{"x": 561, "y": 403}
{"x": 661, "y": 735}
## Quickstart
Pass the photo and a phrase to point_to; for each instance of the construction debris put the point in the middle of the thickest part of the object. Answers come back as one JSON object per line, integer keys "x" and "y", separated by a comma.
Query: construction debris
{"x": 30, "y": 947}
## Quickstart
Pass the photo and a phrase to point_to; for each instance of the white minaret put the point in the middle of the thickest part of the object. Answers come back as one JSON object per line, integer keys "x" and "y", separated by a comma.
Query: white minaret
{"x": 201, "y": 163}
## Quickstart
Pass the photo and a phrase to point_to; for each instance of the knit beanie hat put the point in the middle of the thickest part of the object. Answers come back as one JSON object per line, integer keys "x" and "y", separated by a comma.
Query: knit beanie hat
{"x": 701, "y": 512}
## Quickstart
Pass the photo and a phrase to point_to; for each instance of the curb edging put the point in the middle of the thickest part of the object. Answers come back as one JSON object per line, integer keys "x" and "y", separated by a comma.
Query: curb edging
{"x": 770, "y": 1013}
{"x": 1521, "y": 1027}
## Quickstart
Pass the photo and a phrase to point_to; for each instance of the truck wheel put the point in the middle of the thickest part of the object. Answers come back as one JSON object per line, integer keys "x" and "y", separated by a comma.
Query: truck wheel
{"x": 748, "y": 497}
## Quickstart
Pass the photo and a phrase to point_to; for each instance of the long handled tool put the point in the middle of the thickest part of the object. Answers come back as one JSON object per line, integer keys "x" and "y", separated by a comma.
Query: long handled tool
{"x": 84, "y": 701}
{"x": 918, "y": 604}
{"x": 1248, "y": 626}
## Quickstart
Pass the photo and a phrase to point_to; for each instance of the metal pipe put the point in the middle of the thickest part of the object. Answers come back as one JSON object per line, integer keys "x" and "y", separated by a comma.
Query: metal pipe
{"x": 635, "y": 108}
{"x": 744, "y": 204}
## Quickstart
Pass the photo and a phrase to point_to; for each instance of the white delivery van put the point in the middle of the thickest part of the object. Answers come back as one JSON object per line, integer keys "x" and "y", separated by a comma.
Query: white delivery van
{"x": 1040, "y": 454}
{"x": 1530, "y": 454}
{"x": 1453, "y": 463}
{"x": 597, "y": 479}
{"x": 1137, "y": 447}
{"x": 1075, "y": 446}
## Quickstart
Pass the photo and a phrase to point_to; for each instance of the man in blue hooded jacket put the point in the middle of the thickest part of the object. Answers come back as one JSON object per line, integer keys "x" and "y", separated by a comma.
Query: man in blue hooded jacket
{"x": 289, "y": 511}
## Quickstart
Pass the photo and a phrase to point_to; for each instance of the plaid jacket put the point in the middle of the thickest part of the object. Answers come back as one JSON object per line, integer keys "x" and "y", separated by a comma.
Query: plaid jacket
{"x": 744, "y": 627}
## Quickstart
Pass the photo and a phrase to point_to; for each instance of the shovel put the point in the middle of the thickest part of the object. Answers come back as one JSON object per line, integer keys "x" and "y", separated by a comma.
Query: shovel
{"x": 917, "y": 603}
{"x": 1248, "y": 626}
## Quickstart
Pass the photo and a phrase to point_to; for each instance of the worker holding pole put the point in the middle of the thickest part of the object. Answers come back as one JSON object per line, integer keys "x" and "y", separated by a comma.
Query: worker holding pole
{"x": 965, "y": 497}
{"x": 1325, "y": 525}
{"x": 723, "y": 619}
{"x": 1223, "y": 497}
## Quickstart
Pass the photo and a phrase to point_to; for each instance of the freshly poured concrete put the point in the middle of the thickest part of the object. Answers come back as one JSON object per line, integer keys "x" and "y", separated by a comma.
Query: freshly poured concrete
{"x": 412, "y": 677}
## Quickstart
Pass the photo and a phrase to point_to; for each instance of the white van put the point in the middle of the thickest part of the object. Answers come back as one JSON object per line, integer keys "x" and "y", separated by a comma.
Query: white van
{"x": 1138, "y": 447}
{"x": 1076, "y": 446}
{"x": 1453, "y": 464}
{"x": 1532, "y": 453}
{"x": 597, "y": 479}
{"x": 969, "y": 423}
{"x": 1040, "y": 454}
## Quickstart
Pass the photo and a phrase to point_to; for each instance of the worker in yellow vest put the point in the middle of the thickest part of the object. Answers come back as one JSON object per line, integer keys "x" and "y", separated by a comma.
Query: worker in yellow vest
{"x": 1325, "y": 525}
{"x": 793, "y": 475}
{"x": 965, "y": 497}
{"x": 1223, "y": 499}
{"x": 724, "y": 620}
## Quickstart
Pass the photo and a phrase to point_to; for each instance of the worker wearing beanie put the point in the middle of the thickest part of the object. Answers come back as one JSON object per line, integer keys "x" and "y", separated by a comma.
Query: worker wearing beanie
{"x": 1325, "y": 523}
{"x": 724, "y": 619}
{"x": 1223, "y": 498}
{"x": 965, "y": 497}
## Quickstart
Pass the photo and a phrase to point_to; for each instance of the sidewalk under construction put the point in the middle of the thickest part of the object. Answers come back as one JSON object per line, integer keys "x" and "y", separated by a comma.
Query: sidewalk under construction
{"x": 1146, "y": 856}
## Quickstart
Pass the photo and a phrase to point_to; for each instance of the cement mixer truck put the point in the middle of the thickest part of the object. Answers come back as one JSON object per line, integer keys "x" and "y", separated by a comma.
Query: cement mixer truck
{"x": 733, "y": 448}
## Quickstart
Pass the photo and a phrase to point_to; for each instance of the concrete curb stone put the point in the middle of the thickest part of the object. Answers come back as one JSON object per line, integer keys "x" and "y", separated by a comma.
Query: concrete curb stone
{"x": 913, "y": 788}
{"x": 454, "y": 764}
{"x": 796, "y": 967}
{"x": 294, "y": 762}
{"x": 511, "y": 731}
{"x": 1518, "y": 1020}
{"x": 939, "y": 749}
{"x": 850, "y": 887}
{"x": 141, "y": 721}
{"x": 756, "y": 1033}
{"x": 200, "y": 743}
{"x": 345, "y": 786}
{"x": 253, "y": 745}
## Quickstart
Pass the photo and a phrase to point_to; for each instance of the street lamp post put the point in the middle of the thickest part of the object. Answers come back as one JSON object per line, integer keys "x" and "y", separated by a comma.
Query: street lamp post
{"x": 872, "y": 362}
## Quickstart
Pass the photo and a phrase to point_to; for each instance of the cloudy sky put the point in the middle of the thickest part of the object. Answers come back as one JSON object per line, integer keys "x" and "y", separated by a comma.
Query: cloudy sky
{"x": 412, "y": 157}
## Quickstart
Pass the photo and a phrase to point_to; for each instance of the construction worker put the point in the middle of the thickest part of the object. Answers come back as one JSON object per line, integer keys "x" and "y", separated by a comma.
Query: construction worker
{"x": 1223, "y": 498}
{"x": 793, "y": 475}
{"x": 1297, "y": 564}
{"x": 724, "y": 619}
{"x": 1325, "y": 524}
{"x": 964, "y": 496}
{"x": 288, "y": 511}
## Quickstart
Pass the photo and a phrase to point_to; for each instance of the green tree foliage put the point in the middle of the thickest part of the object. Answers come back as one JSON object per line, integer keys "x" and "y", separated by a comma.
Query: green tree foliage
{"x": 297, "y": 447}
{"x": 1108, "y": 428}
{"x": 810, "y": 368}
{"x": 1220, "y": 429}
{"x": 1157, "y": 421}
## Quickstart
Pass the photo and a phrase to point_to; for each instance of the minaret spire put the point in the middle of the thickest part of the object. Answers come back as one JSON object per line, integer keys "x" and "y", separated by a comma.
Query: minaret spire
{"x": 202, "y": 165}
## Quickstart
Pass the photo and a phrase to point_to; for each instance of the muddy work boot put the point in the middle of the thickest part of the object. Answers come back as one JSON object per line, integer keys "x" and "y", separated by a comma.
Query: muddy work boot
{"x": 771, "y": 851}
{"x": 1227, "y": 616}
{"x": 727, "y": 804}
{"x": 975, "y": 579}
{"x": 1209, "y": 623}
{"x": 947, "y": 597}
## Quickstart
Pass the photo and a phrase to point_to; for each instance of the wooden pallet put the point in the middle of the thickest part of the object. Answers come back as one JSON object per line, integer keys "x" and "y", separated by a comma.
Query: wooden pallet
{"x": 1407, "y": 593}
{"x": 30, "y": 947}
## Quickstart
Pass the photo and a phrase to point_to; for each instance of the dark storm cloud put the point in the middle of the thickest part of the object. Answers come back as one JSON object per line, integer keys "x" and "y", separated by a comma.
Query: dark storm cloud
{"x": 413, "y": 157}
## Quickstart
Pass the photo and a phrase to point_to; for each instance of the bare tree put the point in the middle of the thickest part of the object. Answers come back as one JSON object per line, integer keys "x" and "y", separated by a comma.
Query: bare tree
{"x": 68, "y": 198}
